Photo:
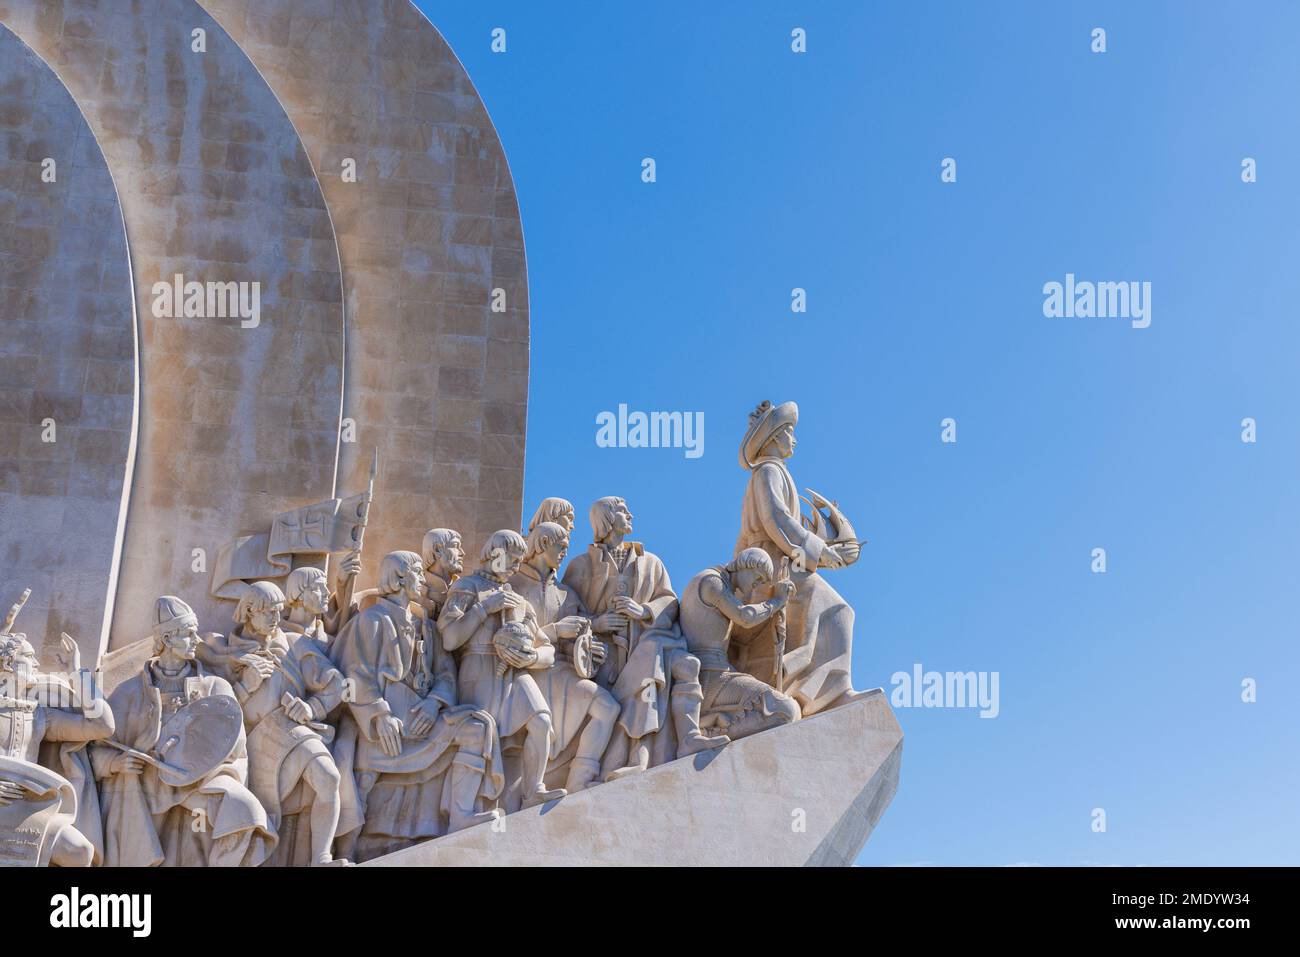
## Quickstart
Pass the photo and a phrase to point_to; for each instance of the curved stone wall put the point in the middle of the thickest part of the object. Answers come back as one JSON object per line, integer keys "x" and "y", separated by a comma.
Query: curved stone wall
{"x": 436, "y": 379}
{"x": 236, "y": 423}
{"x": 67, "y": 359}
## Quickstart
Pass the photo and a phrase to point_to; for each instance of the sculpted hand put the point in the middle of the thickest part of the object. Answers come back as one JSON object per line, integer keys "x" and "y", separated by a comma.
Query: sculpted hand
{"x": 68, "y": 655}
{"x": 10, "y": 791}
{"x": 389, "y": 730}
{"x": 598, "y": 652}
{"x": 299, "y": 711}
{"x": 611, "y": 621}
{"x": 524, "y": 658}
{"x": 424, "y": 717}
{"x": 516, "y": 654}
{"x": 785, "y": 590}
{"x": 634, "y": 610}
{"x": 501, "y": 601}
{"x": 124, "y": 763}
{"x": 256, "y": 670}
{"x": 350, "y": 565}
{"x": 570, "y": 627}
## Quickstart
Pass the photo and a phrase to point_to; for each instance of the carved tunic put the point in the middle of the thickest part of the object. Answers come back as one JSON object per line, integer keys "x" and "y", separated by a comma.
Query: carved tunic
{"x": 819, "y": 623}
{"x": 728, "y": 694}
{"x": 638, "y": 668}
{"x": 510, "y": 695}
{"x": 279, "y": 748}
{"x": 567, "y": 694}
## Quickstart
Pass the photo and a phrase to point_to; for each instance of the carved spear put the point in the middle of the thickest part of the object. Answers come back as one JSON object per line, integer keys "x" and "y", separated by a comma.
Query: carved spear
{"x": 779, "y": 626}
{"x": 344, "y": 599}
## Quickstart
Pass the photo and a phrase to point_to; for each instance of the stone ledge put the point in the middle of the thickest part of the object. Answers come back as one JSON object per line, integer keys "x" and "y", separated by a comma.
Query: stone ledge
{"x": 736, "y": 806}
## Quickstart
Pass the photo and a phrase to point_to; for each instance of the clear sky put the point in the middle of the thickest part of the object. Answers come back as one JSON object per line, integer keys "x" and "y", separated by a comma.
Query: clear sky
{"x": 776, "y": 170}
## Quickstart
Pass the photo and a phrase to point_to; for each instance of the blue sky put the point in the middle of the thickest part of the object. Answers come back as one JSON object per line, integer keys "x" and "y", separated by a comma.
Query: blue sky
{"x": 775, "y": 170}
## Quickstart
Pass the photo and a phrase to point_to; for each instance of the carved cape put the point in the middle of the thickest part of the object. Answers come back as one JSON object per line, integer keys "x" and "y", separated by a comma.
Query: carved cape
{"x": 819, "y": 623}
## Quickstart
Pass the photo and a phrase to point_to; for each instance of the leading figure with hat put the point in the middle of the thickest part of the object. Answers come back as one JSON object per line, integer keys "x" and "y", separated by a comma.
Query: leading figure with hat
{"x": 813, "y": 666}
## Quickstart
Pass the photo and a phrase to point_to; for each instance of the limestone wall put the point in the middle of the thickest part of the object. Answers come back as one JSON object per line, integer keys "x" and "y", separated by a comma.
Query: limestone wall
{"x": 376, "y": 322}
{"x": 435, "y": 378}
{"x": 67, "y": 358}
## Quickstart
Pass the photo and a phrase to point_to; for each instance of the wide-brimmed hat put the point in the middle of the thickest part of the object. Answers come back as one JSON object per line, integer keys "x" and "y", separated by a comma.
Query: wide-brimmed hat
{"x": 764, "y": 422}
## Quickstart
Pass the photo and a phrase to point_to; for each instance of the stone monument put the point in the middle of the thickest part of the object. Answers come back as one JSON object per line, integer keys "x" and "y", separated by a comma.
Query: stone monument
{"x": 271, "y": 313}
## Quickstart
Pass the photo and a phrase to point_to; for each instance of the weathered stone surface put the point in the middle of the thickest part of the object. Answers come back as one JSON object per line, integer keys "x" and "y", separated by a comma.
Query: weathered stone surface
{"x": 837, "y": 771}
{"x": 429, "y": 228}
{"x": 67, "y": 354}
{"x": 236, "y": 424}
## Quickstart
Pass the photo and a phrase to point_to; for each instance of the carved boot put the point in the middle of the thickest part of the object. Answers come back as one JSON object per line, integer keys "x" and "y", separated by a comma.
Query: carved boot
{"x": 466, "y": 780}
{"x": 537, "y": 749}
{"x": 542, "y": 795}
{"x": 686, "y": 699}
{"x": 582, "y": 774}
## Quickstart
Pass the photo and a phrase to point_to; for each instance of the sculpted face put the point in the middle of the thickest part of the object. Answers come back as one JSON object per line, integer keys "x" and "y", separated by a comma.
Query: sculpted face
{"x": 745, "y": 582}
{"x": 316, "y": 597}
{"x": 554, "y": 553}
{"x": 266, "y": 621}
{"x": 183, "y": 642}
{"x": 450, "y": 559}
{"x": 782, "y": 443}
{"x": 23, "y": 662}
{"x": 622, "y": 519}
{"x": 513, "y": 561}
{"x": 565, "y": 519}
{"x": 413, "y": 582}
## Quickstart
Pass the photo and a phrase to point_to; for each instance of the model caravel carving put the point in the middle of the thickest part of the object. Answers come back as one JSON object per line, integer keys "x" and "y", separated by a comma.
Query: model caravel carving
{"x": 337, "y": 724}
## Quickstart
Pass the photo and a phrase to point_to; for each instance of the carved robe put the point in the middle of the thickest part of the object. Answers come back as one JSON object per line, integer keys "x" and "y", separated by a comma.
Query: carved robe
{"x": 638, "y": 667}
{"x": 391, "y": 666}
{"x": 215, "y": 822}
{"x": 567, "y": 694}
{"x": 819, "y": 623}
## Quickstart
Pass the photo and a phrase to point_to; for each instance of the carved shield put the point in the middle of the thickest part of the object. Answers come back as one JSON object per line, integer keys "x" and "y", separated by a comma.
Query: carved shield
{"x": 582, "y": 660}
{"x": 198, "y": 738}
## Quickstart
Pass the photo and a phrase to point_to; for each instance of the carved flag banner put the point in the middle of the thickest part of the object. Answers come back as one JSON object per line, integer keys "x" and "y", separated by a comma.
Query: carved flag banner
{"x": 318, "y": 529}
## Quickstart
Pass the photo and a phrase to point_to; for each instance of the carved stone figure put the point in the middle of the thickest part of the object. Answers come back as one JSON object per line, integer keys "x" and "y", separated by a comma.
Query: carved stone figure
{"x": 287, "y": 686}
{"x": 714, "y": 604}
{"x": 496, "y": 669}
{"x": 557, "y": 510}
{"x": 648, "y": 666}
{"x": 813, "y": 667}
{"x": 444, "y": 560}
{"x": 49, "y": 809}
{"x": 309, "y": 605}
{"x": 416, "y": 763}
{"x": 582, "y": 712}
{"x": 207, "y": 817}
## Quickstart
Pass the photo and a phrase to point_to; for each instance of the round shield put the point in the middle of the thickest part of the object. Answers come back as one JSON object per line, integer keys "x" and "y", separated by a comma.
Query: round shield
{"x": 583, "y": 663}
{"x": 198, "y": 738}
